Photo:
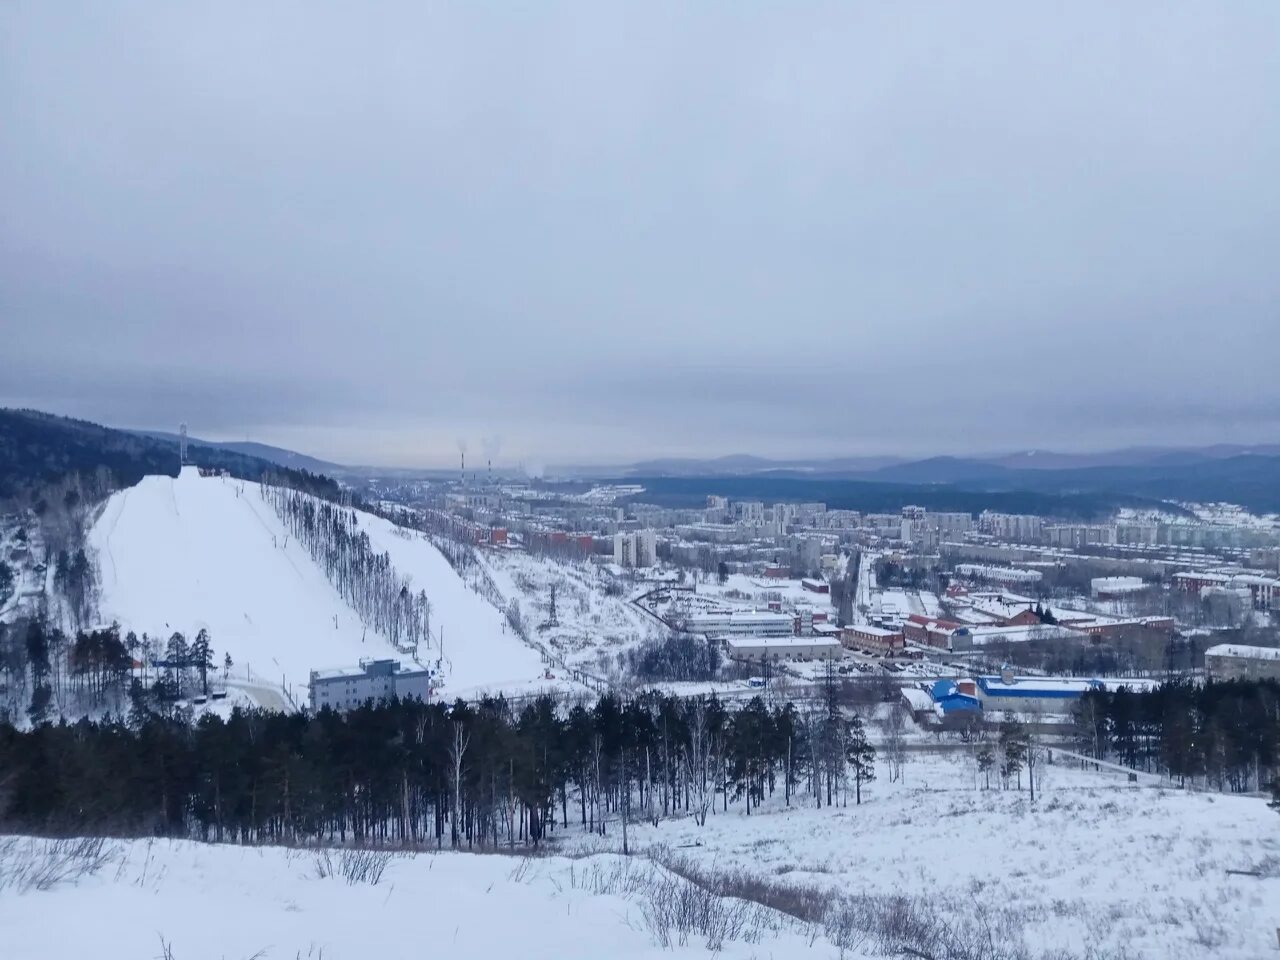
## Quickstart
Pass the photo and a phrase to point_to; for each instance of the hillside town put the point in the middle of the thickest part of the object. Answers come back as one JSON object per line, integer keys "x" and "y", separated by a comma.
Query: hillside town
{"x": 786, "y": 591}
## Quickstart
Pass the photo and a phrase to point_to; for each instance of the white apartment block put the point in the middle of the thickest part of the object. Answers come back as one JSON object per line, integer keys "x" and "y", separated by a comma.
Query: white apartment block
{"x": 637, "y": 549}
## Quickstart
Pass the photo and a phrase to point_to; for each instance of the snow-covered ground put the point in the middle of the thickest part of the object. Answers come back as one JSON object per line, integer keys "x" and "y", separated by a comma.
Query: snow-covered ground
{"x": 192, "y": 901}
{"x": 480, "y": 651}
{"x": 593, "y": 627}
{"x": 1097, "y": 863}
{"x": 191, "y": 552}
{"x": 21, "y": 551}
{"x": 741, "y": 589}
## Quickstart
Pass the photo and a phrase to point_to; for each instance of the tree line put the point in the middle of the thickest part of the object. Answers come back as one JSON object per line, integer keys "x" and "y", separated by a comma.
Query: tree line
{"x": 46, "y": 672}
{"x": 1225, "y": 735}
{"x": 413, "y": 773}
{"x": 363, "y": 577}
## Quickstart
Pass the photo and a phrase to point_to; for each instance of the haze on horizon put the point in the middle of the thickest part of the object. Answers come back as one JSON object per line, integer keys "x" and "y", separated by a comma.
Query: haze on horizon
{"x": 594, "y": 233}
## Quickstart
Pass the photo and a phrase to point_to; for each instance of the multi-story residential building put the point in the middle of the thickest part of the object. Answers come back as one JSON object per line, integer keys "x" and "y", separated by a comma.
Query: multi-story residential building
{"x": 1230, "y": 661}
{"x": 638, "y": 548}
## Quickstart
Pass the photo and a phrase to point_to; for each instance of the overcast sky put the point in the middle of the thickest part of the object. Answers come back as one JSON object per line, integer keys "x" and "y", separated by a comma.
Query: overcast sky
{"x": 590, "y": 233}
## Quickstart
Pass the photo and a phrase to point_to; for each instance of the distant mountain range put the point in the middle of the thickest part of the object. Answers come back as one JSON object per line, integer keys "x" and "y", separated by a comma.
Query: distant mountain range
{"x": 925, "y": 470}
{"x": 1246, "y": 475}
{"x": 260, "y": 451}
{"x": 35, "y": 446}
{"x": 37, "y": 449}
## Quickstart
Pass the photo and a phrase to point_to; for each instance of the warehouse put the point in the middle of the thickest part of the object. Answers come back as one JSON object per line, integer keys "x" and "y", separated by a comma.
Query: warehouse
{"x": 782, "y": 648}
{"x": 753, "y": 623}
{"x": 1032, "y": 694}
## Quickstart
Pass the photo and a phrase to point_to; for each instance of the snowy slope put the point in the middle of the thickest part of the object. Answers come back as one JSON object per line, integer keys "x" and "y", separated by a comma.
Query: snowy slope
{"x": 1098, "y": 863}
{"x": 192, "y": 552}
{"x": 206, "y": 902}
{"x": 480, "y": 651}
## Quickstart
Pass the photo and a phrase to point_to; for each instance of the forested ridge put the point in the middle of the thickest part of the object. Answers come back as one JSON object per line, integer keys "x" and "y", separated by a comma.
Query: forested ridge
{"x": 39, "y": 449}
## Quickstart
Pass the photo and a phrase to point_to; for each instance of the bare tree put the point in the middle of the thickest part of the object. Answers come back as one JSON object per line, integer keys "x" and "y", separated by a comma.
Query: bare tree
{"x": 696, "y": 757}
{"x": 895, "y": 747}
{"x": 457, "y": 751}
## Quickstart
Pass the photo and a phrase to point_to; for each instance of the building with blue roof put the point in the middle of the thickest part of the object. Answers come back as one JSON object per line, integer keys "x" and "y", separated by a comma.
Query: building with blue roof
{"x": 946, "y": 694}
{"x": 1033, "y": 694}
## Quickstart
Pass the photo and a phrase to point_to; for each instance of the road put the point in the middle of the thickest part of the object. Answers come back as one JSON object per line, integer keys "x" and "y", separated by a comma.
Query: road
{"x": 263, "y": 695}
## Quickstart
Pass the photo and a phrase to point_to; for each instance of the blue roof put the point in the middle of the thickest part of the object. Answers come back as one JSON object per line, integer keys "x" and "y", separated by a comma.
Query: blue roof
{"x": 1046, "y": 689}
{"x": 947, "y": 695}
{"x": 959, "y": 703}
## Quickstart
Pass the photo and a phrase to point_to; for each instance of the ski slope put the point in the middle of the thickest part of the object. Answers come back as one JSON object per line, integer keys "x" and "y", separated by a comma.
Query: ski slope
{"x": 479, "y": 651}
{"x": 190, "y": 552}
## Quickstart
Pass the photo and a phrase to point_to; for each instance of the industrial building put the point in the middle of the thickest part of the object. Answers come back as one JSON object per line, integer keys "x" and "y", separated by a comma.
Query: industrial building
{"x": 782, "y": 648}
{"x": 968, "y": 638}
{"x": 345, "y": 688}
{"x": 745, "y": 623}
{"x": 1009, "y": 576}
{"x": 1116, "y": 588}
{"x": 1032, "y": 694}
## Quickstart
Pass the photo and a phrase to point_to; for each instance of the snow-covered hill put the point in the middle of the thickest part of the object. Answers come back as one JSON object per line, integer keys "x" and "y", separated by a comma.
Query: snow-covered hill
{"x": 191, "y": 552}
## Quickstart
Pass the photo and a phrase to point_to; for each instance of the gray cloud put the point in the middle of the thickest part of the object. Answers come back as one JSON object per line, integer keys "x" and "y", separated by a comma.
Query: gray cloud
{"x": 599, "y": 232}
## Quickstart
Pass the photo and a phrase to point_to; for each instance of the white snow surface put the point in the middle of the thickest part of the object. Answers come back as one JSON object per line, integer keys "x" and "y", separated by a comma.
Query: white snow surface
{"x": 191, "y": 552}
{"x": 481, "y": 652}
{"x": 1124, "y": 870}
{"x": 207, "y": 902}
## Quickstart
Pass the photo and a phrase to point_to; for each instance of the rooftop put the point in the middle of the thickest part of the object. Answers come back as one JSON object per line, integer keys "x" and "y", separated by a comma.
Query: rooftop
{"x": 1243, "y": 652}
{"x": 782, "y": 642}
{"x": 1037, "y": 687}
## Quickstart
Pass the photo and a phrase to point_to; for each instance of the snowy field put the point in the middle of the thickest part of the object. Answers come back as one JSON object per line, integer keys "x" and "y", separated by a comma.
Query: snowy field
{"x": 191, "y": 552}
{"x": 593, "y": 626}
{"x": 1099, "y": 864}
{"x": 190, "y": 901}
{"x": 741, "y": 589}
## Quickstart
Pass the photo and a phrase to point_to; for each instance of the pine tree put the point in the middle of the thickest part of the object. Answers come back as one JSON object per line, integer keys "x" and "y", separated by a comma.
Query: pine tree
{"x": 861, "y": 756}
{"x": 1014, "y": 744}
{"x": 202, "y": 658}
{"x": 986, "y": 760}
{"x": 178, "y": 653}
